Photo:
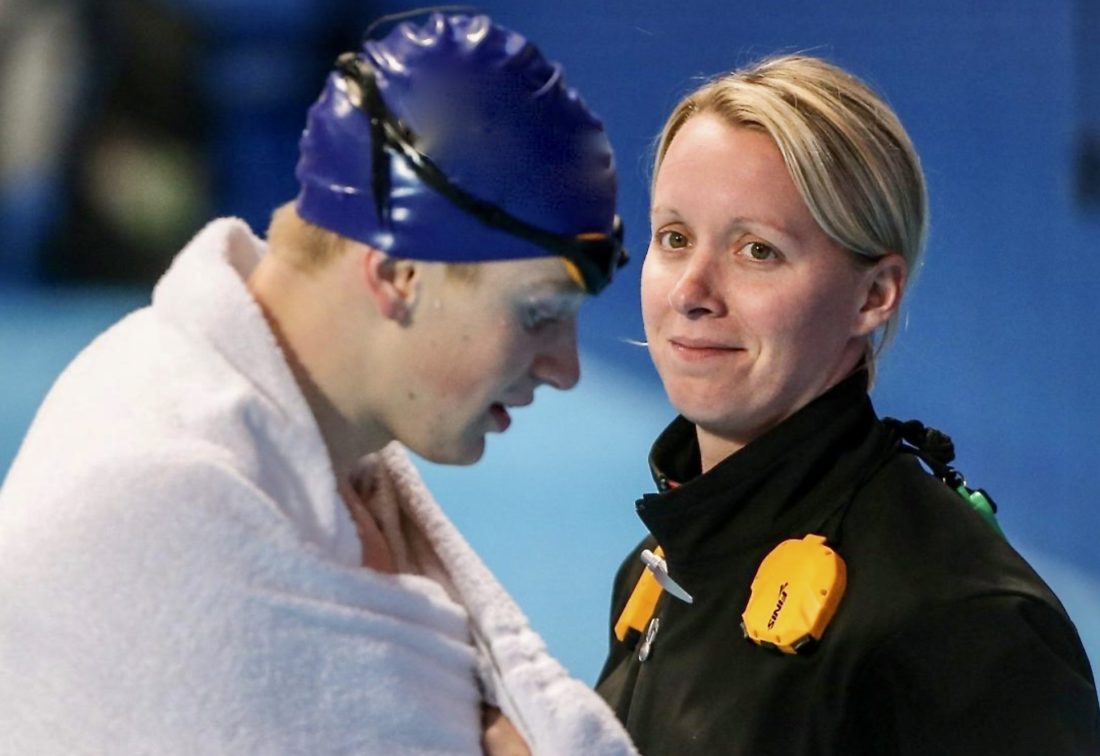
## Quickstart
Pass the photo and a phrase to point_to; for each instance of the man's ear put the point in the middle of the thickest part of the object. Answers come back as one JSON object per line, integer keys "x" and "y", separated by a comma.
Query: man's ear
{"x": 883, "y": 285}
{"x": 390, "y": 282}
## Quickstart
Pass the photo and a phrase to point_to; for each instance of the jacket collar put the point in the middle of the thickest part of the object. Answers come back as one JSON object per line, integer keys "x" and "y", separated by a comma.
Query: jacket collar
{"x": 790, "y": 479}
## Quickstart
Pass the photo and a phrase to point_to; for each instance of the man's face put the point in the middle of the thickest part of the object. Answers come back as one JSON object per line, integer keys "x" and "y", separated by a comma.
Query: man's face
{"x": 473, "y": 349}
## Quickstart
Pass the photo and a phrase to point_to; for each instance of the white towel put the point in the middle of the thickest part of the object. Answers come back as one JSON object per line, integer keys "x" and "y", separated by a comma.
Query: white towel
{"x": 178, "y": 573}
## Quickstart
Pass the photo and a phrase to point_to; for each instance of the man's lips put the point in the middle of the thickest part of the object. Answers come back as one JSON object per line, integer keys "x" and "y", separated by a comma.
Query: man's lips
{"x": 499, "y": 410}
{"x": 500, "y": 415}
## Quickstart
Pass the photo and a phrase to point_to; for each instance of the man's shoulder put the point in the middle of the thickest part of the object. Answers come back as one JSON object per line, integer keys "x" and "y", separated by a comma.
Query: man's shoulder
{"x": 121, "y": 478}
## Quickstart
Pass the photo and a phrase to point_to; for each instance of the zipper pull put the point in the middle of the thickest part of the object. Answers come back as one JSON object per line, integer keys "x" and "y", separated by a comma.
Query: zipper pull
{"x": 650, "y": 636}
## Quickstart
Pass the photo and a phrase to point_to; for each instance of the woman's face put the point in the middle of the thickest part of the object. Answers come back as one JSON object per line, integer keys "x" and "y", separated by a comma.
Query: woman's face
{"x": 750, "y": 310}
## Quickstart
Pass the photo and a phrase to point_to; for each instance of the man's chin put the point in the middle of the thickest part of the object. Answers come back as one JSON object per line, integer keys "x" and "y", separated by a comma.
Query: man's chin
{"x": 459, "y": 455}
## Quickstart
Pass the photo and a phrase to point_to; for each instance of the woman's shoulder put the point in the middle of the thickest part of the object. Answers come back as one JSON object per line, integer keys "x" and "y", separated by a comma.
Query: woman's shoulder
{"x": 913, "y": 545}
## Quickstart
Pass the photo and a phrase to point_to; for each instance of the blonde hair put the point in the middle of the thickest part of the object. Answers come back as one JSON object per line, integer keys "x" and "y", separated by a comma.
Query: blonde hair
{"x": 846, "y": 151}
{"x": 307, "y": 246}
{"x": 304, "y": 245}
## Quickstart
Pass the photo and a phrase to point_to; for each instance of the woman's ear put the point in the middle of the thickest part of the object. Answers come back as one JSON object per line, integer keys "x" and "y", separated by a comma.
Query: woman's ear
{"x": 883, "y": 285}
{"x": 390, "y": 282}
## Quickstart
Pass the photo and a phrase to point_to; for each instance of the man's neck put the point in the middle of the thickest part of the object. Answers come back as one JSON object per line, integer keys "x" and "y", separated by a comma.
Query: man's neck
{"x": 302, "y": 310}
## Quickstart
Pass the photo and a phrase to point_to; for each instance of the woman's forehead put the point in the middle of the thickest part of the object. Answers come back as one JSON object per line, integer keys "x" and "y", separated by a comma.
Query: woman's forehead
{"x": 735, "y": 174}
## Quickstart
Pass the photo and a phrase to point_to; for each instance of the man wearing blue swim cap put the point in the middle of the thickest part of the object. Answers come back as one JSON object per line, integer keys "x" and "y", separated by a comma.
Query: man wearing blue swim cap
{"x": 212, "y": 539}
{"x": 437, "y": 147}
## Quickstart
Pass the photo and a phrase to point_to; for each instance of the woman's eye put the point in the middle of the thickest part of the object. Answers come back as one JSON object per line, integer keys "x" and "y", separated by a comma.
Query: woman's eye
{"x": 759, "y": 251}
{"x": 672, "y": 240}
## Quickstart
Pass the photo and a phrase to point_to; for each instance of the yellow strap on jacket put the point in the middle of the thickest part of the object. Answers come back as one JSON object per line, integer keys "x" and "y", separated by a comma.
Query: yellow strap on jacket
{"x": 641, "y": 604}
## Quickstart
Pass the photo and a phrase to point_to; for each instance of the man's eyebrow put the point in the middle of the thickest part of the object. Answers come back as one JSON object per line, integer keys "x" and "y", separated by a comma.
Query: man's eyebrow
{"x": 554, "y": 285}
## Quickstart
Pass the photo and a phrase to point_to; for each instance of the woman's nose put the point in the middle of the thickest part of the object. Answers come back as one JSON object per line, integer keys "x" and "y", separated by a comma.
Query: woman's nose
{"x": 696, "y": 292}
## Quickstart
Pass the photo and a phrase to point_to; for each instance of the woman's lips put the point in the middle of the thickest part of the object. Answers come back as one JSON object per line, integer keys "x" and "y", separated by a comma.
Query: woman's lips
{"x": 699, "y": 349}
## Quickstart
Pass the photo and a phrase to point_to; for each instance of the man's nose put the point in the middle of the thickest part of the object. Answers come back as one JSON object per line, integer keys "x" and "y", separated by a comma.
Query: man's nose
{"x": 559, "y": 364}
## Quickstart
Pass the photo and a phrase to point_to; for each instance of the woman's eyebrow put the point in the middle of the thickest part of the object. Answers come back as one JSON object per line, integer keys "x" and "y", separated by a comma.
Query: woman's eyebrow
{"x": 744, "y": 221}
{"x": 737, "y": 221}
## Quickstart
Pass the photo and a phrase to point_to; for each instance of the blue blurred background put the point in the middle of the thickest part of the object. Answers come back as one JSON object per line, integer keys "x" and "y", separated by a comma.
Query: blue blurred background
{"x": 126, "y": 124}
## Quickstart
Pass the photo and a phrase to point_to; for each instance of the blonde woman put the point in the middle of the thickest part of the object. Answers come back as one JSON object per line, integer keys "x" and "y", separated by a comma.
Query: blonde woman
{"x": 808, "y": 587}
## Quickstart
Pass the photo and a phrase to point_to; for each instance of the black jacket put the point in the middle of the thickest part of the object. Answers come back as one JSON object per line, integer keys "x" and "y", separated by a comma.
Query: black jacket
{"x": 946, "y": 641}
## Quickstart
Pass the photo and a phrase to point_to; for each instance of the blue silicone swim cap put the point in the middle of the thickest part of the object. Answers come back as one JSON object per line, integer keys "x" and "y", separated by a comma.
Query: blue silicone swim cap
{"x": 457, "y": 141}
